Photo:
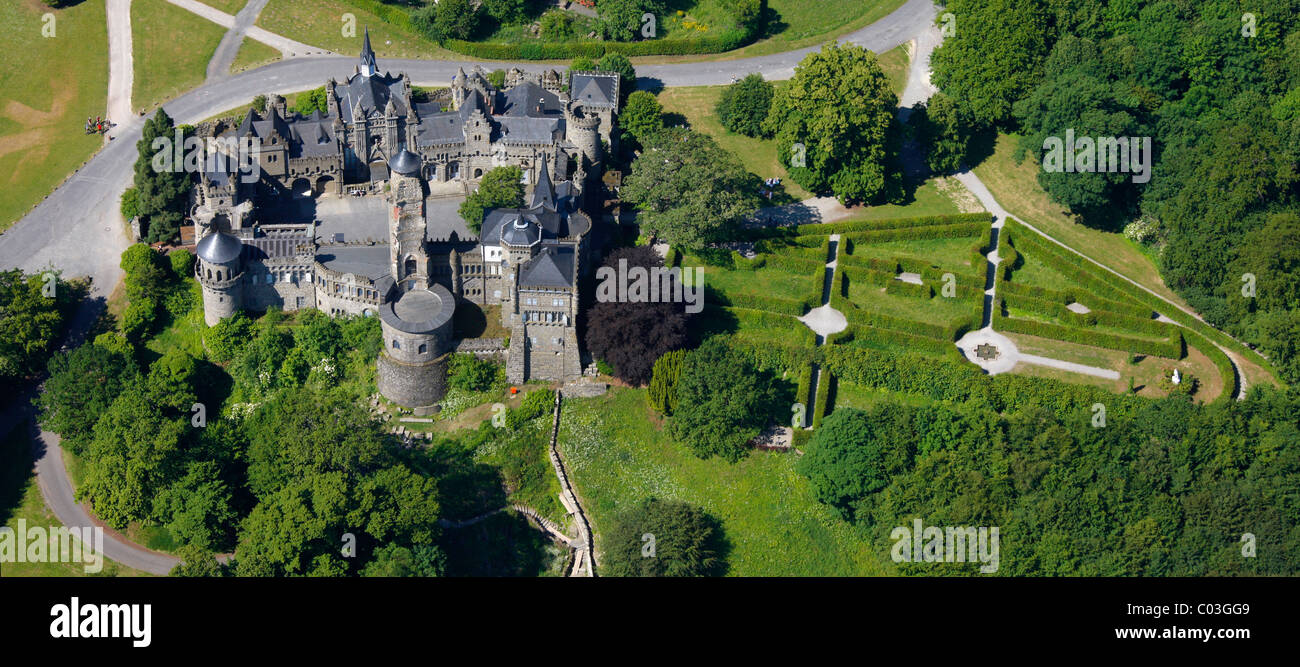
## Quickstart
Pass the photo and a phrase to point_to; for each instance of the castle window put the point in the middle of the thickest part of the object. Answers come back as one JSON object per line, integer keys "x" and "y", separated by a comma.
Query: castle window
{"x": 423, "y": 348}
{"x": 396, "y": 345}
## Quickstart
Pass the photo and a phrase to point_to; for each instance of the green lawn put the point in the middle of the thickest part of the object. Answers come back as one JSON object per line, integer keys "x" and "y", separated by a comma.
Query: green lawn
{"x": 46, "y": 97}
{"x": 618, "y": 456}
{"x": 320, "y": 23}
{"x": 759, "y": 156}
{"x": 1016, "y": 188}
{"x": 950, "y": 254}
{"x": 799, "y": 24}
{"x": 167, "y": 65}
{"x": 1146, "y": 373}
{"x": 228, "y": 6}
{"x": 253, "y": 54}
{"x": 20, "y": 499}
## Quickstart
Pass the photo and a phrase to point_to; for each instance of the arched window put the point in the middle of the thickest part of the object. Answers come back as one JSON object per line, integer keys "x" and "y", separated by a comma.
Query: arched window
{"x": 423, "y": 348}
{"x": 396, "y": 345}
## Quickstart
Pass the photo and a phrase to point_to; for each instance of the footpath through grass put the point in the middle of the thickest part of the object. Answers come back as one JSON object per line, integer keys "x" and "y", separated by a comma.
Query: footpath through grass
{"x": 48, "y": 87}
{"x": 171, "y": 47}
{"x": 618, "y": 456}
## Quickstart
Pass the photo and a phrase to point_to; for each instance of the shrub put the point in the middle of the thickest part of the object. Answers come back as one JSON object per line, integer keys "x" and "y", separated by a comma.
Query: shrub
{"x": 744, "y": 104}
{"x": 687, "y": 542}
{"x": 469, "y": 373}
{"x": 662, "y": 395}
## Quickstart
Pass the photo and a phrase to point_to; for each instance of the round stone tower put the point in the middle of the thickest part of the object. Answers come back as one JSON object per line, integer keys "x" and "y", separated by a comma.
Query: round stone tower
{"x": 220, "y": 273}
{"x": 584, "y": 132}
{"x": 417, "y": 338}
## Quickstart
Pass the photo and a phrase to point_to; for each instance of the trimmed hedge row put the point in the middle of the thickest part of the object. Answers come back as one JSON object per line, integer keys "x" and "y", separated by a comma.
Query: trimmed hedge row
{"x": 1227, "y": 371}
{"x": 770, "y": 320}
{"x": 823, "y": 397}
{"x": 1082, "y": 320}
{"x": 960, "y": 381}
{"x": 912, "y": 290}
{"x": 805, "y": 385}
{"x": 1078, "y": 273}
{"x": 1116, "y": 283}
{"x": 772, "y": 304}
{"x": 956, "y": 231}
{"x": 869, "y": 336}
{"x": 727, "y": 40}
{"x": 390, "y": 14}
{"x": 795, "y": 264}
{"x": 1093, "y": 301}
{"x": 1171, "y": 349}
{"x": 845, "y": 226}
{"x": 673, "y": 257}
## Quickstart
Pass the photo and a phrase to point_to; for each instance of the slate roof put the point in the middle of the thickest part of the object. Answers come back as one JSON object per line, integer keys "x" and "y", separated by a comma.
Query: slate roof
{"x": 518, "y": 230}
{"x": 552, "y": 267}
{"x": 419, "y": 310}
{"x": 405, "y": 162}
{"x": 595, "y": 90}
{"x": 219, "y": 248}
{"x": 373, "y": 93}
{"x": 371, "y": 261}
{"x": 313, "y": 136}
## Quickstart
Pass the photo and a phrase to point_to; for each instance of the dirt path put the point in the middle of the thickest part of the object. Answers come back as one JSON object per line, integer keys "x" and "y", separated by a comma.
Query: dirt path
{"x": 121, "y": 66}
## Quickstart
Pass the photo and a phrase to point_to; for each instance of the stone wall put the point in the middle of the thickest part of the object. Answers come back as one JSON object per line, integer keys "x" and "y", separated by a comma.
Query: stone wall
{"x": 412, "y": 385}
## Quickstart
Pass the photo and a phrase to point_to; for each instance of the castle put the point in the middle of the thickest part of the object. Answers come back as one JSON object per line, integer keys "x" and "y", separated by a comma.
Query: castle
{"x": 412, "y": 265}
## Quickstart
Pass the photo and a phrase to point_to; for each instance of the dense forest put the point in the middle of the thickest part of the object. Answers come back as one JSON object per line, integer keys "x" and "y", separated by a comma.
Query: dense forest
{"x": 1216, "y": 86}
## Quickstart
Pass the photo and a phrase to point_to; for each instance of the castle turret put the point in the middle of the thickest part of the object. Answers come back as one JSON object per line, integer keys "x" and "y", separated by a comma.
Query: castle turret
{"x": 417, "y": 329}
{"x": 220, "y": 274}
{"x": 584, "y": 132}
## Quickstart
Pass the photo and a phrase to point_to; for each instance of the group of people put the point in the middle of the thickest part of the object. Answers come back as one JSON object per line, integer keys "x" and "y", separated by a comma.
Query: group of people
{"x": 98, "y": 125}
{"x": 769, "y": 186}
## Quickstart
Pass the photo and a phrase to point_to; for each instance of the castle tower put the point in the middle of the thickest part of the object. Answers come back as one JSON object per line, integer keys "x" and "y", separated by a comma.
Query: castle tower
{"x": 410, "y": 260}
{"x": 417, "y": 329}
{"x": 520, "y": 239}
{"x": 584, "y": 132}
{"x": 220, "y": 274}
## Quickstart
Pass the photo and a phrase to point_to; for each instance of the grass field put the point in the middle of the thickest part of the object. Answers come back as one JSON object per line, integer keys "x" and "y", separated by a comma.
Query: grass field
{"x": 165, "y": 64}
{"x": 799, "y": 24}
{"x": 46, "y": 99}
{"x": 696, "y": 104}
{"x": 253, "y": 54}
{"x": 228, "y": 6}
{"x": 320, "y": 23}
{"x": 618, "y": 456}
{"x": 1146, "y": 373}
{"x": 1016, "y": 188}
{"x": 20, "y": 499}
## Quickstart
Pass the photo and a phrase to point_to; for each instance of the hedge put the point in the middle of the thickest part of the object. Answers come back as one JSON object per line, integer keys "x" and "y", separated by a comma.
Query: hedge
{"x": 1171, "y": 349}
{"x": 1227, "y": 370}
{"x": 772, "y": 304}
{"x": 1093, "y": 301}
{"x": 673, "y": 257}
{"x": 844, "y": 226}
{"x": 823, "y": 396}
{"x": 801, "y": 394}
{"x": 1060, "y": 311}
{"x": 727, "y": 40}
{"x": 390, "y": 14}
{"x": 897, "y": 287}
{"x": 1118, "y": 284}
{"x": 959, "y": 230}
{"x": 869, "y": 336}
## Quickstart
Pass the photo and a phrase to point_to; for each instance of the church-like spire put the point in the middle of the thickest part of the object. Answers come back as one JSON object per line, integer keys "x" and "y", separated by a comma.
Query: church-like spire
{"x": 368, "y": 65}
{"x": 544, "y": 194}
